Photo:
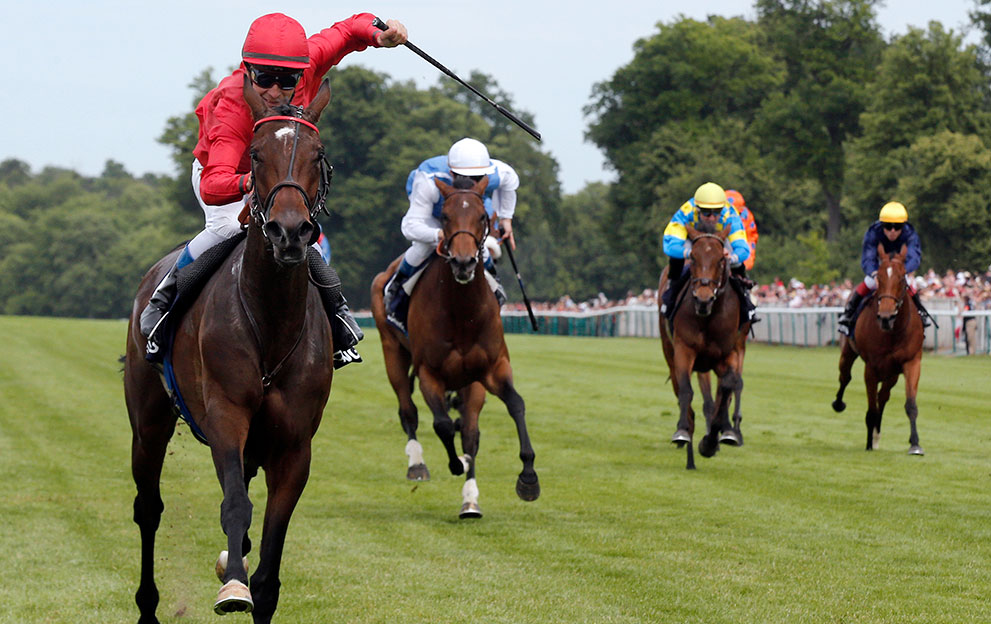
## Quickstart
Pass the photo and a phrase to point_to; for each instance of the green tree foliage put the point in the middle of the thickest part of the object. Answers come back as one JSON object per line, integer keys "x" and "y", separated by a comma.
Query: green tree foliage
{"x": 830, "y": 49}
{"x": 927, "y": 83}
{"x": 75, "y": 246}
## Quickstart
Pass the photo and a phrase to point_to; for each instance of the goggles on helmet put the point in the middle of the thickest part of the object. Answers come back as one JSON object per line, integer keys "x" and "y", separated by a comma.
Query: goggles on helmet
{"x": 265, "y": 77}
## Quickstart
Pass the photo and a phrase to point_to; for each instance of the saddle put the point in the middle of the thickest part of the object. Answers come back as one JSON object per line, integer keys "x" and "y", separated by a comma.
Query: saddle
{"x": 190, "y": 280}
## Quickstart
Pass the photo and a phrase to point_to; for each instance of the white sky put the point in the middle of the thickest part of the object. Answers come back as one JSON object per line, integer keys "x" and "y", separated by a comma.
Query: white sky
{"x": 112, "y": 72}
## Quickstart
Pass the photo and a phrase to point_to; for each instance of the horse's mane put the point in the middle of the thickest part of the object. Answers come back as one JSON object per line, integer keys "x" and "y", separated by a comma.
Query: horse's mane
{"x": 706, "y": 228}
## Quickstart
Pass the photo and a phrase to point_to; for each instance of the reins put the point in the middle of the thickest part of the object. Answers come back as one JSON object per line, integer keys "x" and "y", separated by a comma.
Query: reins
{"x": 705, "y": 281}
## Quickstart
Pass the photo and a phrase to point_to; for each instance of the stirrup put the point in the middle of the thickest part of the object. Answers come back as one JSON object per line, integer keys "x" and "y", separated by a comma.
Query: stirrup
{"x": 343, "y": 357}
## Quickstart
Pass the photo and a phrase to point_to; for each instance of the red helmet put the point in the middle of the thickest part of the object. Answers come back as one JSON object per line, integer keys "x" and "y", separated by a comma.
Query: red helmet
{"x": 276, "y": 40}
{"x": 736, "y": 198}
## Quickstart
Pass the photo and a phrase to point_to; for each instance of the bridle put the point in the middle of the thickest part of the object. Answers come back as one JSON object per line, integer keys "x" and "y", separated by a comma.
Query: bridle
{"x": 899, "y": 299}
{"x": 444, "y": 246}
{"x": 261, "y": 209}
{"x": 716, "y": 285}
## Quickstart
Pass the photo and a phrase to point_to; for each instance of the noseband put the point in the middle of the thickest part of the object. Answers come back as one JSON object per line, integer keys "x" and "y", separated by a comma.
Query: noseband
{"x": 716, "y": 285}
{"x": 899, "y": 299}
{"x": 261, "y": 209}
{"x": 444, "y": 247}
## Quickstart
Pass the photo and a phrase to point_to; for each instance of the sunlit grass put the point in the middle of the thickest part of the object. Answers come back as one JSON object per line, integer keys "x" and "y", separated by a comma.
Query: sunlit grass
{"x": 799, "y": 525}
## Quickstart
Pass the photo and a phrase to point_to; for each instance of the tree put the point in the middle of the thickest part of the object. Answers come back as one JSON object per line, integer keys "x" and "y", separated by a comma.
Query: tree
{"x": 830, "y": 49}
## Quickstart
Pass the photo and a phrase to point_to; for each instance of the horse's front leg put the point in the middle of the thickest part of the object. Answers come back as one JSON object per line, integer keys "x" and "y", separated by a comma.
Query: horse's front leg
{"x": 500, "y": 381}
{"x": 873, "y": 418}
{"x": 227, "y": 447}
{"x": 912, "y": 371}
{"x": 847, "y": 357}
{"x": 686, "y": 418}
{"x": 285, "y": 476}
{"x": 473, "y": 397}
{"x": 433, "y": 393}
{"x": 729, "y": 380}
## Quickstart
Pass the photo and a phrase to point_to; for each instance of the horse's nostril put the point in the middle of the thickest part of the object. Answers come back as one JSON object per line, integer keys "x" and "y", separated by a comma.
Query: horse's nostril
{"x": 274, "y": 231}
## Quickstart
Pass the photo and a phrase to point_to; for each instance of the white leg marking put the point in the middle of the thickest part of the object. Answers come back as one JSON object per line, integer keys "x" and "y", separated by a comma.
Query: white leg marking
{"x": 876, "y": 439}
{"x": 465, "y": 461}
{"x": 415, "y": 452}
{"x": 469, "y": 493}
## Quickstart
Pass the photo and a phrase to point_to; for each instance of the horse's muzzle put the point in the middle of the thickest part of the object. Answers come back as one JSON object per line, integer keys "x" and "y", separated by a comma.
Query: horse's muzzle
{"x": 289, "y": 244}
{"x": 464, "y": 269}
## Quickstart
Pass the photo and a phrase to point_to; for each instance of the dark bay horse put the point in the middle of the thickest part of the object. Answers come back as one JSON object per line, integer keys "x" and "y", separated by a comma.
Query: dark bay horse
{"x": 707, "y": 337}
{"x": 253, "y": 360}
{"x": 888, "y": 336}
{"x": 455, "y": 344}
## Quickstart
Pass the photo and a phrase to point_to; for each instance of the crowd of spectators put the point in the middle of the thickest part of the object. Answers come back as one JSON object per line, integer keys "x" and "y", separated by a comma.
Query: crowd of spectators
{"x": 962, "y": 289}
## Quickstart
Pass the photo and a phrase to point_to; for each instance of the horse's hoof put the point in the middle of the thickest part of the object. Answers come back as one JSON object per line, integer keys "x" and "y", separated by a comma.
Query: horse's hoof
{"x": 730, "y": 437}
{"x": 459, "y": 465}
{"x": 528, "y": 491}
{"x": 839, "y": 405}
{"x": 418, "y": 472}
{"x": 916, "y": 450}
{"x": 470, "y": 510}
{"x": 680, "y": 437}
{"x": 233, "y": 597}
{"x": 221, "y": 567}
{"x": 708, "y": 448}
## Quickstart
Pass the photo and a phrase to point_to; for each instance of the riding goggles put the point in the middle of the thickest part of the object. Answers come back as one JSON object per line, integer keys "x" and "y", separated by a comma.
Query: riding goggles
{"x": 710, "y": 212}
{"x": 265, "y": 79}
{"x": 893, "y": 226}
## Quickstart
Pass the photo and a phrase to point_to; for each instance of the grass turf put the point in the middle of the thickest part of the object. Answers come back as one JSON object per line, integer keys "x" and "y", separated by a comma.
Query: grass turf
{"x": 799, "y": 525}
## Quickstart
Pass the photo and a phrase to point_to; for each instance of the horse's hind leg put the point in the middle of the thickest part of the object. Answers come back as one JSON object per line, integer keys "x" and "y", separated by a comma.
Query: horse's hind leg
{"x": 397, "y": 367}
{"x": 728, "y": 383}
{"x": 847, "y": 357}
{"x": 873, "y": 418}
{"x": 912, "y": 372}
{"x": 152, "y": 425}
{"x": 285, "y": 477}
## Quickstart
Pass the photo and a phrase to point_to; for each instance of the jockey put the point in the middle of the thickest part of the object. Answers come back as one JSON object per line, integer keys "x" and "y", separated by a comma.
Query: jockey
{"x": 892, "y": 230}
{"x": 285, "y": 68}
{"x": 709, "y": 207}
{"x": 466, "y": 162}
{"x": 749, "y": 225}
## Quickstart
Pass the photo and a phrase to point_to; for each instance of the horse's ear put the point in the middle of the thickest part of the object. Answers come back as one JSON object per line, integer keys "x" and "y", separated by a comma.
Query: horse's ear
{"x": 903, "y": 252}
{"x": 724, "y": 234}
{"x": 481, "y": 185}
{"x": 253, "y": 100}
{"x": 880, "y": 250}
{"x": 692, "y": 232}
{"x": 312, "y": 112}
{"x": 445, "y": 188}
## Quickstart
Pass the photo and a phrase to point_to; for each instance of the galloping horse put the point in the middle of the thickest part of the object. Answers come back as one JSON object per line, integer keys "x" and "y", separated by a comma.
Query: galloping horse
{"x": 890, "y": 341}
{"x": 252, "y": 358}
{"x": 455, "y": 343}
{"x": 707, "y": 337}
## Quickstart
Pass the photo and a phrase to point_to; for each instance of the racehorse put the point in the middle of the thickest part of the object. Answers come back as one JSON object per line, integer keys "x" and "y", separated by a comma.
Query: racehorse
{"x": 455, "y": 344}
{"x": 706, "y": 336}
{"x": 252, "y": 358}
{"x": 890, "y": 342}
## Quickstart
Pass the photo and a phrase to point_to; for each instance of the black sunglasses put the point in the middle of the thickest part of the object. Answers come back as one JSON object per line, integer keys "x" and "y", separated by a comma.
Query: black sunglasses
{"x": 265, "y": 79}
{"x": 710, "y": 213}
{"x": 893, "y": 226}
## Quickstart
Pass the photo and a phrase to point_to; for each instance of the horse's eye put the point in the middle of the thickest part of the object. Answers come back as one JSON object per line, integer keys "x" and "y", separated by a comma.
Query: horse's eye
{"x": 254, "y": 156}
{"x": 444, "y": 218}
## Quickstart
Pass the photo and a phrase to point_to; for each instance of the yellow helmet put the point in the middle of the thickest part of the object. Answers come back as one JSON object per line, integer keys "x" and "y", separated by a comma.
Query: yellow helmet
{"x": 710, "y": 196}
{"x": 893, "y": 212}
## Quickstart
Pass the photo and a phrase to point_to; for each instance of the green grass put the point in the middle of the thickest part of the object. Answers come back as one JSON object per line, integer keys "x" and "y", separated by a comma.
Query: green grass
{"x": 799, "y": 525}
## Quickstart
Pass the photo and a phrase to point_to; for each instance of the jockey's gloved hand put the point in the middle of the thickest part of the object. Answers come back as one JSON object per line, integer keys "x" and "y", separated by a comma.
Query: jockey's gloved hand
{"x": 734, "y": 260}
{"x": 688, "y": 249}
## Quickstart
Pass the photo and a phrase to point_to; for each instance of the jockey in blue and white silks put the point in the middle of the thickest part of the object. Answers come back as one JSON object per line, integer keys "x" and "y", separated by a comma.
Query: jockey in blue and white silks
{"x": 422, "y": 226}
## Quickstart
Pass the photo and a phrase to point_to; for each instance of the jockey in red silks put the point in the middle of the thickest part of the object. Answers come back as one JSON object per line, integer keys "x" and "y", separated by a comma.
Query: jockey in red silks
{"x": 891, "y": 230}
{"x": 285, "y": 68}
{"x": 749, "y": 224}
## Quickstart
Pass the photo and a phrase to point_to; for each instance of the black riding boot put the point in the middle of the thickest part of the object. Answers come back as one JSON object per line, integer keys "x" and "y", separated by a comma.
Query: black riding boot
{"x": 496, "y": 283}
{"x": 923, "y": 312}
{"x": 739, "y": 273}
{"x": 344, "y": 328}
{"x": 155, "y": 312}
{"x": 846, "y": 319}
{"x": 676, "y": 268}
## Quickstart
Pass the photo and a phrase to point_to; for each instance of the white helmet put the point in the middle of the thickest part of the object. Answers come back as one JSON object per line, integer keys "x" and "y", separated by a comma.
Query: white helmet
{"x": 469, "y": 157}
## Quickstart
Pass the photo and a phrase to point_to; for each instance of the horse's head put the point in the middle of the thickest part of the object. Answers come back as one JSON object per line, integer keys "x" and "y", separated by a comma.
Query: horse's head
{"x": 290, "y": 173}
{"x": 709, "y": 268}
{"x": 891, "y": 286}
{"x": 465, "y": 224}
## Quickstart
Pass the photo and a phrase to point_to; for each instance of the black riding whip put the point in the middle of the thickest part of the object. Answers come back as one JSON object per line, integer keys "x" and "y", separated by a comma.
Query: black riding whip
{"x": 382, "y": 26}
{"x": 519, "y": 279}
